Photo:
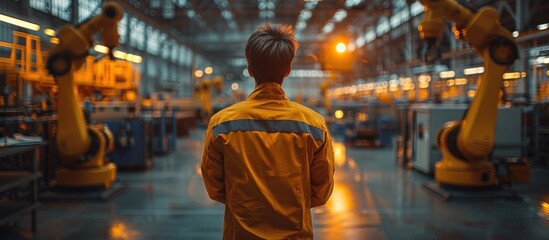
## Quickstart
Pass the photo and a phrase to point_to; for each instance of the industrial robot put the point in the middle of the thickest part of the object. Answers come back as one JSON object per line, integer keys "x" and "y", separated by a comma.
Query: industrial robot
{"x": 204, "y": 95}
{"x": 324, "y": 86}
{"x": 82, "y": 147}
{"x": 466, "y": 144}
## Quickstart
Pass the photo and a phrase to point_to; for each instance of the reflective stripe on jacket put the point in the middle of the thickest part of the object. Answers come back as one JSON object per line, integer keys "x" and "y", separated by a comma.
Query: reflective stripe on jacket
{"x": 269, "y": 160}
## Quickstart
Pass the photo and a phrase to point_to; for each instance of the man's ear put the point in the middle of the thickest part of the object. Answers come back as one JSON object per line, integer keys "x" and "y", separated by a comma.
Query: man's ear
{"x": 288, "y": 71}
{"x": 250, "y": 72}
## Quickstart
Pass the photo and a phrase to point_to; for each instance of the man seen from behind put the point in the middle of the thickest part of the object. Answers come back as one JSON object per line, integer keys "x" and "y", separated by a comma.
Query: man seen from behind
{"x": 268, "y": 159}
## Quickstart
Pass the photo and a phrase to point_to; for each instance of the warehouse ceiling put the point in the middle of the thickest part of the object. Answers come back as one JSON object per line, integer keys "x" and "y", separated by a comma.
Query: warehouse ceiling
{"x": 219, "y": 28}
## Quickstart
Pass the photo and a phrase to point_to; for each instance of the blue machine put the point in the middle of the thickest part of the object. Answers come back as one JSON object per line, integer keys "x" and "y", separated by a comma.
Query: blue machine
{"x": 164, "y": 135}
{"x": 385, "y": 130}
{"x": 132, "y": 143}
{"x": 171, "y": 127}
{"x": 158, "y": 121}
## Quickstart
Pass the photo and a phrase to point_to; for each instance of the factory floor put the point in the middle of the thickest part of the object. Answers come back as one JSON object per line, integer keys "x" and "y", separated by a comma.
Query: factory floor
{"x": 373, "y": 198}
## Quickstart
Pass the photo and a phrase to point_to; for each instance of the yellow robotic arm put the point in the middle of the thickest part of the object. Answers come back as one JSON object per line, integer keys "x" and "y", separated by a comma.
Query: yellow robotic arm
{"x": 324, "y": 86}
{"x": 82, "y": 148}
{"x": 205, "y": 96}
{"x": 467, "y": 144}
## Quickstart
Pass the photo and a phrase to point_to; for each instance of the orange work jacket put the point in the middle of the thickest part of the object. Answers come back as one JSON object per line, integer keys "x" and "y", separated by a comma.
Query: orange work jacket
{"x": 269, "y": 160}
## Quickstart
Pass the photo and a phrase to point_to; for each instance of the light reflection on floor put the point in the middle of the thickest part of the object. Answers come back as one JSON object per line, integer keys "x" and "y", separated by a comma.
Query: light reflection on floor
{"x": 121, "y": 230}
{"x": 372, "y": 199}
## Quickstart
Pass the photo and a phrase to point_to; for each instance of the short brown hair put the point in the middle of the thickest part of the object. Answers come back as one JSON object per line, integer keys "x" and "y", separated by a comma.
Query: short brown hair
{"x": 270, "y": 51}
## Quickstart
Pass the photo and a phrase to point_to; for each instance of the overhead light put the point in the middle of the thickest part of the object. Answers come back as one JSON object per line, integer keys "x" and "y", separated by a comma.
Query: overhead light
{"x": 300, "y": 25}
{"x": 191, "y": 14}
{"x": 198, "y": 73}
{"x": 310, "y": 4}
{"x": 234, "y": 86}
{"x": 447, "y": 74}
{"x": 471, "y": 93}
{"x": 208, "y": 70}
{"x": 19, "y": 22}
{"x": 515, "y": 34}
{"x": 424, "y": 78}
{"x": 338, "y": 114}
{"x": 511, "y": 75}
{"x": 461, "y": 81}
{"x": 50, "y": 32}
{"x": 134, "y": 58}
{"x": 474, "y": 70}
{"x": 360, "y": 41}
{"x": 341, "y": 48}
{"x": 181, "y": 3}
{"x": 305, "y": 15}
{"x": 227, "y": 14}
{"x": 54, "y": 40}
{"x": 100, "y": 48}
{"x": 308, "y": 73}
{"x": 119, "y": 54}
{"x": 340, "y": 15}
{"x": 328, "y": 28}
{"x": 543, "y": 26}
{"x": 352, "y": 3}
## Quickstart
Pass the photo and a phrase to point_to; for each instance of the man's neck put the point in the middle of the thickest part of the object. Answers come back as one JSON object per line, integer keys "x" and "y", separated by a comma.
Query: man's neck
{"x": 259, "y": 83}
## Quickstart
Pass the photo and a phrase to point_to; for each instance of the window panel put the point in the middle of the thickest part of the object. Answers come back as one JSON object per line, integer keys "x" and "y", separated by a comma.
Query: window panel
{"x": 123, "y": 28}
{"x": 58, "y": 8}
{"x": 137, "y": 33}
{"x": 174, "y": 50}
{"x": 6, "y": 32}
{"x": 152, "y": 40}
{"x": 182, "y": 57}
{"x": 189, "y": 57}
{"x": 164, "y": 45}
{"x": 88, "y": 9}
{"x": 164, "y": 73}
{"x": 152, "y": 69}
{"x": 40, "y": 5}
{"x": 62, "y": 9}
{"x": 6, "y": 35}
{"x": 173, "y": 75}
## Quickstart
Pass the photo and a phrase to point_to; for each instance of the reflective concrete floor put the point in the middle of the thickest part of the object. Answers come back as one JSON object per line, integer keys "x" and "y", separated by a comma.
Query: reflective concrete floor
{"x": 373, "y": 199}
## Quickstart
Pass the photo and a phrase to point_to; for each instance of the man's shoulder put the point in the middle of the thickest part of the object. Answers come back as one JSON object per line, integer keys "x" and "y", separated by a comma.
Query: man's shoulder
{"x": 306, "y": 110}
{"x": 228, "y": 111}
{"x": 311, "y": 115}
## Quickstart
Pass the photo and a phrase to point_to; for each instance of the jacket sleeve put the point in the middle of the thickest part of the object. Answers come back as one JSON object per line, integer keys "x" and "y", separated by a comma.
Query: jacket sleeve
{"x": 322, "y": 173}
{"x": 212, "y": 169}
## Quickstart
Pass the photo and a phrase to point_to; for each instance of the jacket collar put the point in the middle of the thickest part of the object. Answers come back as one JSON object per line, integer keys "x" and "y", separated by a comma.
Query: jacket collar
{"x": 268, "y": 90}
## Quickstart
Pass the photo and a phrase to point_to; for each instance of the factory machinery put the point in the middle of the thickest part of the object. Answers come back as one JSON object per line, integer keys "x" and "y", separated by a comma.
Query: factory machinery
{"x": 466, "y": 145}
{"x": 203, "y": 96}
{"x": 82, "y": 146}
{"x": 90, "y": 145}
{"x": 461, "y": 143}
